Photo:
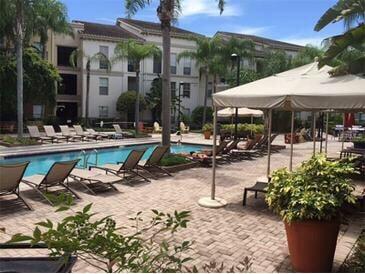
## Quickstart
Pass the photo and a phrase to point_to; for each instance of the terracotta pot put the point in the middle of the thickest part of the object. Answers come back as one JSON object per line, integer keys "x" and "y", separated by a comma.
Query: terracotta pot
{"x": 207, "y": 135}
{"x": 312, "y": 244}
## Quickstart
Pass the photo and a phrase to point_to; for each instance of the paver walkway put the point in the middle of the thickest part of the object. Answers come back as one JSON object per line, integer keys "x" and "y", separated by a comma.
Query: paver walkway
{"x": 226, "y": 235}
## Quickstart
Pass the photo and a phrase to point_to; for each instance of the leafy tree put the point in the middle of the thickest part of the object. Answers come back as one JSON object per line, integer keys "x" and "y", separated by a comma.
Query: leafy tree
{"x": 77, "y": 54}
{"x": 126, "y": 103}
{"x": 154, "y": 99}
{"x": 39, "y": 82}
{"x": 19, "y": 20}
{"x": 352, "y": 13}
{"x": 167, "y": 12}
{"x": 197, "y": 115}
{"x": 306, "y": 55}
{"x": 135, "y": 53}
{"x": 205, "y": 57}
{"x": 275, "y": 62}
{"x": 246, "y": 76}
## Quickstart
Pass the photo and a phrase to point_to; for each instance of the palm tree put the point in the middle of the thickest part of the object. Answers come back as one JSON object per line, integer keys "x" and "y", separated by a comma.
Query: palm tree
{"x": 50, "y": 15}
{"x": 167, "y": 13}
{"x": 352, "y": 13}
{"x": 77, "y": 54}
{"x": 19, "y": 63}
{"x": 135, "y": 53}
{"x": 205, "y": 57}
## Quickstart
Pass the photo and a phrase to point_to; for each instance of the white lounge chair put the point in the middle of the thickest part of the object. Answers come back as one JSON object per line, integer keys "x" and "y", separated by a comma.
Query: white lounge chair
{"x": 35, "y": 134}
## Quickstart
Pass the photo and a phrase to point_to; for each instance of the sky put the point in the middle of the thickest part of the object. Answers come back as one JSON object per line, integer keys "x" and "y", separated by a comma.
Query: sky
{"x": 286, "y": 20}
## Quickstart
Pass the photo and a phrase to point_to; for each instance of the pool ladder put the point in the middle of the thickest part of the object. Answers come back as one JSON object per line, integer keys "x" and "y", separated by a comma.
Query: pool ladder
{"x": 87, "y": 156}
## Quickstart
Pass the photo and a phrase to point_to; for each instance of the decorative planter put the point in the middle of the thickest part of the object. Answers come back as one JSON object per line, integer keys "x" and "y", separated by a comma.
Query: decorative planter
{"x": 207, "y": 134}
{"x": 181, "y": 167}
{"x": 360, "y": 145}
{"x": 312, "y": 244}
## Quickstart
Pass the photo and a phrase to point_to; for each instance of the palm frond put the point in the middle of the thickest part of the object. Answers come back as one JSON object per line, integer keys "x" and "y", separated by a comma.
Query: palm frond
{"x": 347, "y": 10}
{"x": 132, "y": 6}
{"x": 221, "y": 4}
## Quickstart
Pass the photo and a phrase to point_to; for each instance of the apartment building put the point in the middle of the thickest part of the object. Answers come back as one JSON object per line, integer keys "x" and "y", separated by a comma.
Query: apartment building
{"x": 106, "y": 85}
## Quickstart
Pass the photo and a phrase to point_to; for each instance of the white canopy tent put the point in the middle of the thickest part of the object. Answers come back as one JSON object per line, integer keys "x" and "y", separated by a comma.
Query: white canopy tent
{"x": 242, "y": 112}
{"x": 301, "y": 89}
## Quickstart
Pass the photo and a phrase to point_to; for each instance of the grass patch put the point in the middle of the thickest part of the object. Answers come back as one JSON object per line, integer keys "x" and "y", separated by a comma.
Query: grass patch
{"x": 173, "y": 160}
{"x": 356, "y": 262}
{"x": 17, "y": 141}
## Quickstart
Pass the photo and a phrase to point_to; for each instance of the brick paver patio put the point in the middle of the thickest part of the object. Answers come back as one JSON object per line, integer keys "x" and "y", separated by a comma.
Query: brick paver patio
{"x": 226, "y": 235}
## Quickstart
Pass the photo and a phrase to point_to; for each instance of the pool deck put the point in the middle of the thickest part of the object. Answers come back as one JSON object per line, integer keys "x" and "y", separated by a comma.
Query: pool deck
{"x": 8, "y": 152}
{"x": 225, "y": 235}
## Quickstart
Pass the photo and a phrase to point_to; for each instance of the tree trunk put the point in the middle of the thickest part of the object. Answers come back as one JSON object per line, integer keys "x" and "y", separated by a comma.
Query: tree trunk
{"x": 205, "y": 97}
{"x": 19, "y": 64}
{"x": 136, "y": 111}
{"x": 166, "y": 11}
{"x": 87, "y": 93}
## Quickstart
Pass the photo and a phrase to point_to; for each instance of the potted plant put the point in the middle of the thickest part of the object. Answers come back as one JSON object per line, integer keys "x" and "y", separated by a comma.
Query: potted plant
{"x": 207, "y": 130}
{"x": 309, "y": 201}
{"x": 359, "y": 142}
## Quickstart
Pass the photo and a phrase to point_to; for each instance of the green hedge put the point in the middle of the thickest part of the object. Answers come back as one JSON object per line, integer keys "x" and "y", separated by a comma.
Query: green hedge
{"x": 243, "y": 129}
{"x": 173, "y": 160}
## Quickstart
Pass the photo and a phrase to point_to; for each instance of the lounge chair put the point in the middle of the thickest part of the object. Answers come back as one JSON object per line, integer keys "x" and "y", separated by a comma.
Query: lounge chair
{"x": 157, "y": 128}
{"x": 93, "y": 132}
{"x": 52, "y": 134}
{"x": 65, "y": 130}
{"x": 35, "y": 134}
{"x": 248, "y": 151}
{"x": 154, "y": 160}
{"x": 129, "y": 166}
{"x": 184, "y": 128}
{"x": 10, "y": 178}
{"x": 56, "y": 176}
{"x": 120, "y": 133}
{"x": 86, "y": 135}
{"x": 219, "y": 149}
{"x": 260, "y": 186}
{"x": 90, "y": 178}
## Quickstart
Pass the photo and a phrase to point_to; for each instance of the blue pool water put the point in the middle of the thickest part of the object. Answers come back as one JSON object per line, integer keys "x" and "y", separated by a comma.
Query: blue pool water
{"x": 40, "y": 164}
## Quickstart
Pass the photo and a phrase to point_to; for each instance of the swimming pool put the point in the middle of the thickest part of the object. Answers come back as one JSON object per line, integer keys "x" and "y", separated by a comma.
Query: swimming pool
{"x": 40, "y": 164}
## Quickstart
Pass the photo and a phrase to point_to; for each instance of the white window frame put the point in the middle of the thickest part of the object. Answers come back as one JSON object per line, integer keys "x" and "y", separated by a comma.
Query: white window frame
{"x": 102, "y": 64}
{"x": 103, "y": 112}
{"x": 101, "y": 85}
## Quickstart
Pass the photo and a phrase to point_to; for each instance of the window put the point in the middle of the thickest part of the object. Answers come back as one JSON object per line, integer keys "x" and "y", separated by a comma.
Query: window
{"x": 187, "y": 66}
{"x": 173, "y": 90}
{"x": 131, "y": 67}
{"x": 37, "y": 111}
{"x": 103, "y": 112}
{"x": 157, "y": 64}
{"x": 103, "y": 64}
{"x": 68, "y": 84}
{"x": 103, "y": 86}
{"x": 39, "y": 47}
{"x": 63, "y": 56}
{"x": 173, "y": 63}
{"x": 132, "y": 83}
{"x": 186, "y": 90}
{"x": 210, "y": 89}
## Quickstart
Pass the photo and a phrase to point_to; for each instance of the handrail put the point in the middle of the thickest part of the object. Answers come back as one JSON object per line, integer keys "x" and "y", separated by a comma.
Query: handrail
{"x": 96, "y": 158}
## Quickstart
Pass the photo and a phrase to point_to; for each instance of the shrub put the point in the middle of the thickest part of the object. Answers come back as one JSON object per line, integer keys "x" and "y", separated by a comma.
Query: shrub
{"x": 197, "y": 115}
{"x": 144, "y": 247}
{"x": 126, "y": 104}
{"x": 359, "y": 139}
{"x": 173, "y": 160}
{"x": 243, "y": 129}
{"x": 18, "y": 141}
{"x": 315, "y": 191}
{"x": 207, "y": 127}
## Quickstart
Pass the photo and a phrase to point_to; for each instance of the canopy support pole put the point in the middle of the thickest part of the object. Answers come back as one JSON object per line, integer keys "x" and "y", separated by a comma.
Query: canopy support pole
{"x": 343, "y": 132}
{"x": 269, "y": 144}
{"x": 291, "y": 141}
{"x": 212, "y": 196}
{"x": 236, "y": 125}
{"x": 326, "y": 142}
{"x": 314, "y": 132}
{"x": 212, "y": 201}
